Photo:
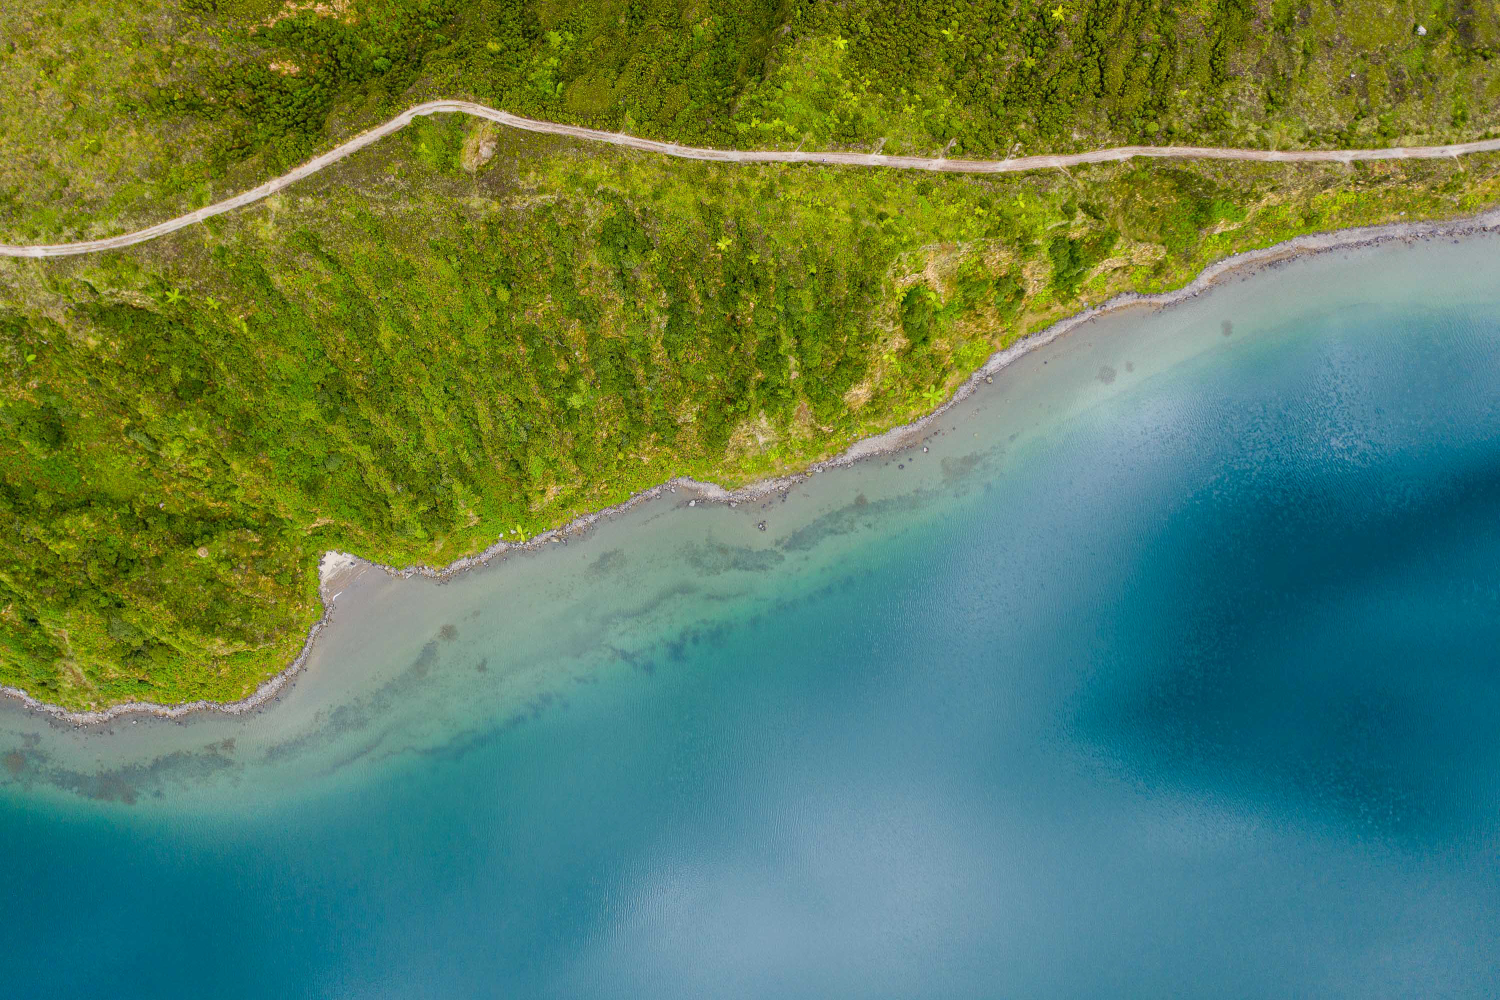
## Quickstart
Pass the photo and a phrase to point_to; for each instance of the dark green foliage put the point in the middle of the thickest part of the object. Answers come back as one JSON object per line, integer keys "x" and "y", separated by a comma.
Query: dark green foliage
{"x": 280, "y": 93}
{"x": 1009, "y": 294}
{"x": 918, "y": 313}
{"x": 1074, "y": 257}
{"x": 970, "y": 287}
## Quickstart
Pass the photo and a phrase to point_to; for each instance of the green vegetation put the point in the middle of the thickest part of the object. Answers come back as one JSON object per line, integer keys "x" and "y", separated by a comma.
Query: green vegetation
{"x": 465, "y": 333}
{"x": 120, "y": 112}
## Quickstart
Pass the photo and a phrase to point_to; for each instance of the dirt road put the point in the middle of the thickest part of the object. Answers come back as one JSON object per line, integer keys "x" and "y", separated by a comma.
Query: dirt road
{"x": 942, "y": 164}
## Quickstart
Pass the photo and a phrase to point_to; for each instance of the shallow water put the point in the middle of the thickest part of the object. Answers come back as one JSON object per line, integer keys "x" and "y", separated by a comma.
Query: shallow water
{"x": 1169, "y": 669}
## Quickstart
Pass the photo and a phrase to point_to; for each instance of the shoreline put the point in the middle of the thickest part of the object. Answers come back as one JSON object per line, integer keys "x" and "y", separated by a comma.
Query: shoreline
{"x": 337, "y": 568}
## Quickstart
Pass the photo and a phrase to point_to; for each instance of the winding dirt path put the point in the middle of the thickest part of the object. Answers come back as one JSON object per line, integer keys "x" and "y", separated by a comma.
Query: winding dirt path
{"x": 941, "y": 164}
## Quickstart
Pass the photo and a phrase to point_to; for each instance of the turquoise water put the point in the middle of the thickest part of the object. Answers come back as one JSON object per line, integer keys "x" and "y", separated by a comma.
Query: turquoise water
{"x": 1171, "y": 668}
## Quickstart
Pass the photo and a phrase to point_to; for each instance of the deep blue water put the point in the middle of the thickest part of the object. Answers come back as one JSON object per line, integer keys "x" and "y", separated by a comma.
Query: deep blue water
{"x": 1193, "y": 691}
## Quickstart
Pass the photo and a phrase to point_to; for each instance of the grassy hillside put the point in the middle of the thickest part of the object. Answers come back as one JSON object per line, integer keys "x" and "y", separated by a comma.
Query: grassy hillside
{"x": 464, "y": 333}
{"x": 125, "y": 112}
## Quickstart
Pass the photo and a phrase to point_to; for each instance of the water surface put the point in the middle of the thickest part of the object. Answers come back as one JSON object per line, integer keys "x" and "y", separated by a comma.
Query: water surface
{"x": 1169, "y": 668}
